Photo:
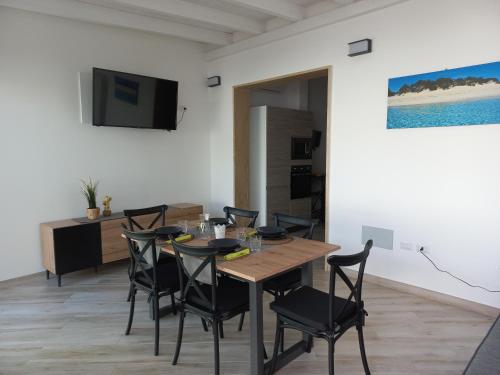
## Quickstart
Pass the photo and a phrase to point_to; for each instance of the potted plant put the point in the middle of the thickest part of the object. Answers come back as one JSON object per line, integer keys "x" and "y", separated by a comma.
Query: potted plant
{"x": 89, "y": 190}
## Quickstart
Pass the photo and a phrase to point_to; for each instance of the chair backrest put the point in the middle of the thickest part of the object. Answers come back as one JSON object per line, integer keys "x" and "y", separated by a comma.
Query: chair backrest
{"x": 137, "y": 253}
{"x": 232, "y": 213}
{"x": 131, "y": 215}
{"x": 296, "y": 224}
{"x": 337, "y": 261}
{"x": 206, "y": 255}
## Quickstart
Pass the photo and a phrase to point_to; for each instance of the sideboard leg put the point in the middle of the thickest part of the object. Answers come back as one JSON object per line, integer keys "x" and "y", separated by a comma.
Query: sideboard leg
{"x": 59, "y": 281}
{"x": 47, "y": 273}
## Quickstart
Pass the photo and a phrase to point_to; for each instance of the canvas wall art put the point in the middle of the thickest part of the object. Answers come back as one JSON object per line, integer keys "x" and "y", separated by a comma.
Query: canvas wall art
{"x": 454, "y": 97}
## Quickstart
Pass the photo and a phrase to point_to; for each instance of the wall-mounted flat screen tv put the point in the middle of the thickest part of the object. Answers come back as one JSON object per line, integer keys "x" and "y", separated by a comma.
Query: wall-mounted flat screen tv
{"x": 133, "y": 101}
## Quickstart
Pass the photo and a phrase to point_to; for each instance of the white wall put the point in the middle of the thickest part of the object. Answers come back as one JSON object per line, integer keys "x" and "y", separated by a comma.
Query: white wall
{"x": 44, "y": 150}
{"x": 438, "y": 186}
{"x": 292, "y": 95}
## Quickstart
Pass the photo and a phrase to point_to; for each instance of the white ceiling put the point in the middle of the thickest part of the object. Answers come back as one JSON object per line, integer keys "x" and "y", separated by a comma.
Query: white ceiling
{"x": 213, "y": 22}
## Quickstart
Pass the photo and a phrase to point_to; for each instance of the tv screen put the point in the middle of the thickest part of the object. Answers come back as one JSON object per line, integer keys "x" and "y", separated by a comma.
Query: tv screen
{"x": 135, "y": 101}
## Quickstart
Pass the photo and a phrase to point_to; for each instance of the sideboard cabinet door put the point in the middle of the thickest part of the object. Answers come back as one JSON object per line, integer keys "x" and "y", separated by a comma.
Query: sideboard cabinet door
{"x": 77, "y": 247}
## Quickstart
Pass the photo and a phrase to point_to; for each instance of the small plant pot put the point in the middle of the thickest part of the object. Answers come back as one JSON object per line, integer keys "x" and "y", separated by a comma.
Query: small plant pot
{"x": 93, "y": 213}
{"x": 106, "y": 212}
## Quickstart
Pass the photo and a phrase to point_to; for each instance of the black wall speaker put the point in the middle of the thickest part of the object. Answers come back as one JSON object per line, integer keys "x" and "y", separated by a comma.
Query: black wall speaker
{"x": 360, "y": 47}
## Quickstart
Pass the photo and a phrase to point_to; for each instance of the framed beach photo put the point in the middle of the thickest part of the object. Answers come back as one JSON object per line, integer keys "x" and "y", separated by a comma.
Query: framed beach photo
{"x": 454, "y": 97}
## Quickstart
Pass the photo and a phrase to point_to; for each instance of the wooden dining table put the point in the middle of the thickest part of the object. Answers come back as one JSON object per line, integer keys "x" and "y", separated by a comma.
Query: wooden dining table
{"x": 275, "y": 258}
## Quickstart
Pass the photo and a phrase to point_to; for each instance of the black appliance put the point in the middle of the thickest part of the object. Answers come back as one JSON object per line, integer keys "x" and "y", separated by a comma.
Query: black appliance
{"x": 133, "y": 101}
{"x": 300, "y": 181}
{"x": 301, "y": 148}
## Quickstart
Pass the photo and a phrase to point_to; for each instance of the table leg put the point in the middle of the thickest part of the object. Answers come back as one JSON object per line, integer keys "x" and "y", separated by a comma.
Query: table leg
{"x": 307, "y": 274}
{"x": 256, "y": 329}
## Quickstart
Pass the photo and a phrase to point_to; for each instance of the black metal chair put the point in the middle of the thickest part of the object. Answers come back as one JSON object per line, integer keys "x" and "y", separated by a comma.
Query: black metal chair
{"x": 131, "y": 215}
{"x": 324, "y": 315}
{"x": 232, "y": 213}
{"x": 279, "y": 285}
{"x": 291, "y": 280}
{"x": 146, "y": 274}
{"x": 158, "y": 220}
{"x": 213, "y": 302}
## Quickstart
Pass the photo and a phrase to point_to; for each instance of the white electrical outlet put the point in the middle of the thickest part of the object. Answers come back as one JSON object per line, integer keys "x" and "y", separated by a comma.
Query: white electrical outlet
{"x": 406, "y": 246}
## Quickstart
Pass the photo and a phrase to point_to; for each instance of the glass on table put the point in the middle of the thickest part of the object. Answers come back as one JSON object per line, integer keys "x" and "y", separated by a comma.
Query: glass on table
{"x": 255, "y": 243}
{"x": 205, "y": 230}
{"x": 241, "y": 233}
{"x": 184, "y": 225}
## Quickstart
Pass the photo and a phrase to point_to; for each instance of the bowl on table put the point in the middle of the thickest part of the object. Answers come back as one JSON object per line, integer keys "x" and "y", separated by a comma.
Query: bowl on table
{"x": 164, "y": 233}
{"x": 225, "y": 245}
{"x": 271, "y": 232}
{"x": 218, "y": 221}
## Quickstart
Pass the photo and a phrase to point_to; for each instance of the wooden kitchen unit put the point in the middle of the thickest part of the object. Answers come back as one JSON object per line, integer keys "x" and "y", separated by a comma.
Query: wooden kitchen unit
{"x": 74, "y": 244}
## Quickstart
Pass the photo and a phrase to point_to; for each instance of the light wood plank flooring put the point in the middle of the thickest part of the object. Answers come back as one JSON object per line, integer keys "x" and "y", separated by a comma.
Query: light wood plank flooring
{"x": 79, "y": 329}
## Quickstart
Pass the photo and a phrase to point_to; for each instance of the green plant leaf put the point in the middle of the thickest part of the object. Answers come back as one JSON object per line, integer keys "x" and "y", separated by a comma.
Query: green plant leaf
{"x": 89, "y": 190}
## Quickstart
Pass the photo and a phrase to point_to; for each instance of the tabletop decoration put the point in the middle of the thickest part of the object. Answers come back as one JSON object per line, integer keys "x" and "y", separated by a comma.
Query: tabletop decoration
{"x": 106, "y": 202}
{"x": 89, "y": 190}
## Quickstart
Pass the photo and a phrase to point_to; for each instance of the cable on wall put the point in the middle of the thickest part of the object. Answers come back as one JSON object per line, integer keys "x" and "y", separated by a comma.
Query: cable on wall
{"x": 184, "y": 109}
{"x": 421, "y": 251}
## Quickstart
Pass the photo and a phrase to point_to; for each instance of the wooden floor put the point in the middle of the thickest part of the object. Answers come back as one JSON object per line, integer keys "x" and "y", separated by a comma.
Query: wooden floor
{"x": 79, "y": 329}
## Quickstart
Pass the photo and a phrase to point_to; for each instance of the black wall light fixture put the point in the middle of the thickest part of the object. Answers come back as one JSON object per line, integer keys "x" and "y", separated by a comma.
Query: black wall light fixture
{"x": 213, "y": 81}
{"x": 360, "y": 47}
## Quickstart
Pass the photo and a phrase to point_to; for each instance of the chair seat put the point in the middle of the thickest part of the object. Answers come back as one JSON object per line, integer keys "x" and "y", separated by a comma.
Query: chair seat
{"x": 167, "y": 273}
{"x": 309, "y": 307}
{"x": 284, "y": 282}
{"x": 232, "y": 295}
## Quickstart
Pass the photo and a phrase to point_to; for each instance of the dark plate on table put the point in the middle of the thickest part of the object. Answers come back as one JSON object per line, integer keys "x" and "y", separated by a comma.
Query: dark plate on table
{"x": 218, "y": 221}
{"x": 225, "y": 245}
{"x": 271, "y": 232}
{"x": 166, "y": 232}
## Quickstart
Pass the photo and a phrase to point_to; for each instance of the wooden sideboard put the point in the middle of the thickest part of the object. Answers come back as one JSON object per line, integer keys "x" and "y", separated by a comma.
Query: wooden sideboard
{"x": 74, "y": 244}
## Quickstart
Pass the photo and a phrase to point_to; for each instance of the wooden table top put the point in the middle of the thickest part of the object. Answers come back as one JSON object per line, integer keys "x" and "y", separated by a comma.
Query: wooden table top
{"x": 271, "y": 260}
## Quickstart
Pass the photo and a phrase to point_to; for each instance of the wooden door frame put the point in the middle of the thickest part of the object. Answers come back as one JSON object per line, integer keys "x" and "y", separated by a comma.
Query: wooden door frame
{"x": 241, "y": 134}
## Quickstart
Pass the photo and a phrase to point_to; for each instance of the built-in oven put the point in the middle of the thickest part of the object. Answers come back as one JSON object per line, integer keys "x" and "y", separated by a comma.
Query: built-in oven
{"x": 301, "y": 148}
{"x": 300, "y": 181}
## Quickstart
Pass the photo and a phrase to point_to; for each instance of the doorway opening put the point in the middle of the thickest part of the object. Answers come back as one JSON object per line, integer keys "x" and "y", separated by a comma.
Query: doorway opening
{"x": 281, "y": 132}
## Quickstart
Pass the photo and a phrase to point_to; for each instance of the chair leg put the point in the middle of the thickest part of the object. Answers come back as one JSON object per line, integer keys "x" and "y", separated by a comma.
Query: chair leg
{"x": 221, "y": 330}
{"x": 132, "y": 305}
{"x": 331, "y": 352}
{"x": 172, "y": 299}
{"x": 242, "y": 319}
{"x": 130, "y": 292}
{"x": 204, "y": 323}
{"x": 362, "y": 349}
{"x": 277, "y": 339}
{"x": 215, "y": 331}
{"x": 179, "y": 337}
{"x": 156, "y": 303}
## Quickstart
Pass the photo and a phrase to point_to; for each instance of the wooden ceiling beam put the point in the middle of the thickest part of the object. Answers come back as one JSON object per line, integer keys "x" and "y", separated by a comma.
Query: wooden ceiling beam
{"x": 111, "y": 17}
{"x": 198, "y": 13}
{"x": 277, "y": 8}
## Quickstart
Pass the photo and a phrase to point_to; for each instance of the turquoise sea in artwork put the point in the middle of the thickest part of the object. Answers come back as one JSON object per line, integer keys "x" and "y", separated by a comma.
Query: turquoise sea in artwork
{"x": 452, "y": 97}
{"x": 468, "y": 112}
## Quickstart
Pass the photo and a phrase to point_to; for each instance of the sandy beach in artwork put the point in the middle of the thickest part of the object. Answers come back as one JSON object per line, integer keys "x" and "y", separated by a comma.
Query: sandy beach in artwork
{"x": 453, "y": 94}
